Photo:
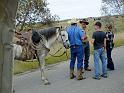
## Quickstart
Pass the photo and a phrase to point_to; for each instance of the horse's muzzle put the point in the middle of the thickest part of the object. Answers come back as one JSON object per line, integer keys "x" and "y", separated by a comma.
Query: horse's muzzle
{"x": 67, "y": 45}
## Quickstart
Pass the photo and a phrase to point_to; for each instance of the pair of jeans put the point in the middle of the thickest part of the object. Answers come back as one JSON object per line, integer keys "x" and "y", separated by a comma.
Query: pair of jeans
{"x": 100, "y": 54}
{"x": 110, "y": 64}
{"x": 77, "y": 51}
{"x": 86, "y": 54}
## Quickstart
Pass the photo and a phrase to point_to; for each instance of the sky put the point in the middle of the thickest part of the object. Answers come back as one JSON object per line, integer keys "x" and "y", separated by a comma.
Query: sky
{"x": 67, "y": 9}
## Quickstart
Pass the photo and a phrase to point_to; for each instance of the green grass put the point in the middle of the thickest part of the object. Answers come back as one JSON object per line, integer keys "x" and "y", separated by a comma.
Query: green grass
{"x": 20, "y": 67}
{"x": 119, "y": 39}
{"x": 119, "y": 42}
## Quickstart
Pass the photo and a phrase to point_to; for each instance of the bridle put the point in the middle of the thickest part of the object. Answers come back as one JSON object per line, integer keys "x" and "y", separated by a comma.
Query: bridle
{"x": 63, "y": 42}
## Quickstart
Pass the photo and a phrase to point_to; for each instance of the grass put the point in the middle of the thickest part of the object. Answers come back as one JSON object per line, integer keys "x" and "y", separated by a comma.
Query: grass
{"x": 119, "y": 39}
{"x": 20, "y": 67}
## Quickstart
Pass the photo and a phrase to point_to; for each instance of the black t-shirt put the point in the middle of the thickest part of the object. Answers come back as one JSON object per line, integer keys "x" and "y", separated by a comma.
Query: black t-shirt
{"x": 99, "y": 37}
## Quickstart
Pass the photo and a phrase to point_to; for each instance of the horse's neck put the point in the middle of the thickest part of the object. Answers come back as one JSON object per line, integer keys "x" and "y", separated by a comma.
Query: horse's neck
{"x": 51, "y": 41}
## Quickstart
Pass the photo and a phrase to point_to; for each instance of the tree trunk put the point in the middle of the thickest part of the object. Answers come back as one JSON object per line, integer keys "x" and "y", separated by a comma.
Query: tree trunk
{"x": 7, "y": 20}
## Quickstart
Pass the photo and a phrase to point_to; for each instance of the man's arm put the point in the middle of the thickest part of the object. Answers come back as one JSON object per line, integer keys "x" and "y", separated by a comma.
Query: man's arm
{"x": 105, "y": 39}
{"x": 81, "y": 33}
{"x": 84, "y": 37}
{"x": 93, "y": 38}
{"x": 105, "y": 43}
{"x": 113, "y": 35}
{"x": 92, "y": 41}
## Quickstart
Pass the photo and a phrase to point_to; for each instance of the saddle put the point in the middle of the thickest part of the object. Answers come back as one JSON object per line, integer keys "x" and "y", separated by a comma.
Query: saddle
{"x": 28, "y": 53}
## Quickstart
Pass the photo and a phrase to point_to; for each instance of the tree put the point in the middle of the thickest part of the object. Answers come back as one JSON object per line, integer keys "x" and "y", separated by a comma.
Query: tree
{"x": 7, "y": 19}
{"x": 28, "y": 11}
{"x": 33, "y": 11}
{"x": 112, "y": 7}
{"x": 115, "y": 7}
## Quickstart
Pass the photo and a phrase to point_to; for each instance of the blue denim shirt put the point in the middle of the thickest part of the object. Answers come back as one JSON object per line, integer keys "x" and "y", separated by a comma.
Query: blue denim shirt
{"x": 75, "y": 35}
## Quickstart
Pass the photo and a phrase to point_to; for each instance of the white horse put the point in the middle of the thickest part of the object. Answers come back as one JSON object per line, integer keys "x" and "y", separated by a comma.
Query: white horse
{"x": 47, "y": 39}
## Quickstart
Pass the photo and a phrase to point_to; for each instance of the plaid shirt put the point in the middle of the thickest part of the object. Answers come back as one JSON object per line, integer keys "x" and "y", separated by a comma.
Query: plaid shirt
{"x": 110, "y": 37}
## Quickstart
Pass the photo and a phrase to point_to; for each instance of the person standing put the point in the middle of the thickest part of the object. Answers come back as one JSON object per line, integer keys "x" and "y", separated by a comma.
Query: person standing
{"x": 99, "y": 43}
{"x": 109, "y": 47}
{"x": 86, "y": 45}
{"x": 75, "y": 35}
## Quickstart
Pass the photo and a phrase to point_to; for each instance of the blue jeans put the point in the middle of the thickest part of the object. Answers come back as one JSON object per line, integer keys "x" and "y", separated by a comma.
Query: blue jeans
{"x": 99, "y": 54}
{"x": 77, "y": 52}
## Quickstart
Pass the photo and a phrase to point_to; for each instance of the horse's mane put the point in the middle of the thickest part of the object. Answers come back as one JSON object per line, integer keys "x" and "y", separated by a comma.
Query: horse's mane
{"x": 48, "y": 33}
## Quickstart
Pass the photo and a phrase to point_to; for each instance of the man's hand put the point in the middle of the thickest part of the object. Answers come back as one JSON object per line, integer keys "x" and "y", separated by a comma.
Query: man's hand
{"x": 85, "y": 38}
{"x": 92, "y": 41}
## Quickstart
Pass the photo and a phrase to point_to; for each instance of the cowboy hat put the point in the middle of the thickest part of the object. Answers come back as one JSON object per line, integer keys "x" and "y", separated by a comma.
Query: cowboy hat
{"x": 84, "y": 21}
{"x": 74, "y": 20}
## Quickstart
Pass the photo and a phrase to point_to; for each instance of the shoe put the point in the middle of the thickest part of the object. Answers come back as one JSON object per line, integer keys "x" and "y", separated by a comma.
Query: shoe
{"x": 110, "y": 65}
{"x": 80, "y": 75}
{"x": 72, "y": 76}
{"x": 82, "y": 70}
{"x": 104, "y": 76}
{"x": 97, "y": 78}
{"x": 87, "y": 69}
{"x": 109, "y": 69}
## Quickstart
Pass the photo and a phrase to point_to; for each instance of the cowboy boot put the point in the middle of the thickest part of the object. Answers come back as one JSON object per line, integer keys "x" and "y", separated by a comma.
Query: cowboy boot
{"x": 87, "y": 69}
{"x": 72, "y": 76}
{"x": 80, "y": 75}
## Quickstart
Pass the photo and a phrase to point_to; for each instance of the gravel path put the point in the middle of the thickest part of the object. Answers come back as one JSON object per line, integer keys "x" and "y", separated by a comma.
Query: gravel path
{"x": 60, "y": 82}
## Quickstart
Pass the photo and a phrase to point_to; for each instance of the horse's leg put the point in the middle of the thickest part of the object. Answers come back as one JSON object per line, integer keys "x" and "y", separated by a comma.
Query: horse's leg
{"x": 41, "y": 57}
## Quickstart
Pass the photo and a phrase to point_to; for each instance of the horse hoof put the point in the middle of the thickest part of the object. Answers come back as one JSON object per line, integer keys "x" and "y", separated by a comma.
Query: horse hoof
{"x": 47, "y": 83}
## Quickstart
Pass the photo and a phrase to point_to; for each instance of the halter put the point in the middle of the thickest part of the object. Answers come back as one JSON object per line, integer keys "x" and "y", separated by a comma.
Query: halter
{"x": 63, "y": 40}
{"x": 65, "y": 52}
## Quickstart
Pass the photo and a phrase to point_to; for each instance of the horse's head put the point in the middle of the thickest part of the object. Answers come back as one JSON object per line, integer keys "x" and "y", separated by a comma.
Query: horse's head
{"x": 63, "y": 37}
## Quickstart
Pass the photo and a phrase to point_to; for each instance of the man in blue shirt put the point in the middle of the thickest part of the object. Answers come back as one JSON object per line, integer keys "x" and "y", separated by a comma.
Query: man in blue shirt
{"x": 76, "y": 36}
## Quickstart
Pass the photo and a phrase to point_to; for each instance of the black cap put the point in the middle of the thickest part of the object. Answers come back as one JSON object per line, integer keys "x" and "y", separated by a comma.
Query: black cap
{"x": 84, "y": 21}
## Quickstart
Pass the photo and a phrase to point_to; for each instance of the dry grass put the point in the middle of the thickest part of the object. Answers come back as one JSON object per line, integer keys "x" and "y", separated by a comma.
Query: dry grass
{"x": 119, "y": 39}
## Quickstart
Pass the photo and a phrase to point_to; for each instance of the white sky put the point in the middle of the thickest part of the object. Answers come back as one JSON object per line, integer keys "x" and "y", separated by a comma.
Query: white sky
{"x": 66, "y": 9}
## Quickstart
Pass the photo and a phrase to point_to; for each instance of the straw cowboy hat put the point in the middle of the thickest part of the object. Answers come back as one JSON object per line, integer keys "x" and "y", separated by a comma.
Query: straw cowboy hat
{"x": 74, "y": 20}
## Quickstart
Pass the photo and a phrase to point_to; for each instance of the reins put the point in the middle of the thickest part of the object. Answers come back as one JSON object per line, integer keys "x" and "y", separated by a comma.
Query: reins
{"x": 54, "y": 55}
{"x": 65, "y": 52}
